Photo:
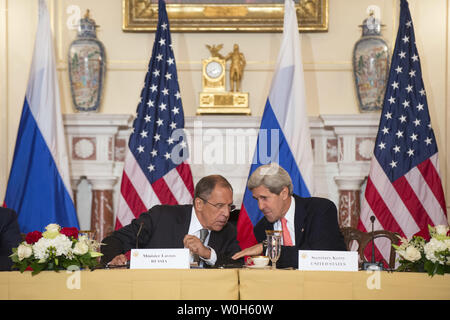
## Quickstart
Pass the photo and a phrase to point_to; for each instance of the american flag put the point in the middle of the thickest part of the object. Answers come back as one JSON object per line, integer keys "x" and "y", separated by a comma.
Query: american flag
{"x": 404, "y": 189}
{"x": 155, "y": 169}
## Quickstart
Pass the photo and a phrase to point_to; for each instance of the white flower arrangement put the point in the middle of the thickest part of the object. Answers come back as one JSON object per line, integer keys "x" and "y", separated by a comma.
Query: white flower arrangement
{"x": 433, "y": 256}
{"x": 55, "y": 249}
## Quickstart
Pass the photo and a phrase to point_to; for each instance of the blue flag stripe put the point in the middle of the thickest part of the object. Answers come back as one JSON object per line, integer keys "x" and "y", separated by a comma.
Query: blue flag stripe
{"x": 35, "y": 185}
{"x": 284, "y": 157}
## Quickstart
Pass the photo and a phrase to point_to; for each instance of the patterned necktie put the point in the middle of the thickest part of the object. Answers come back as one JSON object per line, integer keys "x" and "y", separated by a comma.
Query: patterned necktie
{"x": 203, "y": 235}
{"x": 287, "y": 241}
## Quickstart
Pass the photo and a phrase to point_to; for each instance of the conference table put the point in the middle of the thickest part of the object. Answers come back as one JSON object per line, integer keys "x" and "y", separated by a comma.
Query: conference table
{"x": 222, "y": 284}
{"x": 327, "y": 285}
{"x": 122, "y": 284}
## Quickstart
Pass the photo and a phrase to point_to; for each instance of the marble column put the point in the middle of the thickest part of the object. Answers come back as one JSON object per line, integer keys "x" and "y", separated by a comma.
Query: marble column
{"x": 356, "y": 140}
{"x": 74, "y": 185}
{"x": 102, "y": 212}
{"x": 349, "y": 200}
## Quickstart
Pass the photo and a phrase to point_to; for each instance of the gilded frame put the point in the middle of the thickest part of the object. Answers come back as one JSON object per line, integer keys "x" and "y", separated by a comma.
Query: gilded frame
{"x": 208, "y": 16}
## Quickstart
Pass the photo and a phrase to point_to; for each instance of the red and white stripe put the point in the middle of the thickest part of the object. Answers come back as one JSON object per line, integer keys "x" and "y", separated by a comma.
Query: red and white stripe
{"x": 405, "y": 206}
{"x": 137, "y": 195}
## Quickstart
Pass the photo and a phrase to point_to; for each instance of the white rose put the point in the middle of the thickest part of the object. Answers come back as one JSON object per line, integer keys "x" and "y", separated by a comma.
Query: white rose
{"x": 24, "y": 251}
{"x": 52, "y": 231}
{"x": 412, "y": 254}
{"x": 53, "y": 227}
{"x": 81, "y": 248}
{"x": 441, "y": 229}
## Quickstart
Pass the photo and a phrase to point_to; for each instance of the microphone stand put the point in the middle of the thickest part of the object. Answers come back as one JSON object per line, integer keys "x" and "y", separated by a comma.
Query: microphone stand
{"x": 127, "y": 265}
{"x": 373, "y": 265}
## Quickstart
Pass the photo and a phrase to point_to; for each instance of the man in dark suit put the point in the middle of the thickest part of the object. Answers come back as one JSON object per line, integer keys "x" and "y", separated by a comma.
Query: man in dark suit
{"x": 306, "y": 223}
{"x": 9, "y": 237}
{"x": 178, "y": 226}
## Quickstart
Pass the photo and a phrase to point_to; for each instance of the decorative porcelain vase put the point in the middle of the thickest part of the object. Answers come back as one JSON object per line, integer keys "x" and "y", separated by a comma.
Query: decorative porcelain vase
{"x": 370, "y": 66}
{"x": 87, "y": 67}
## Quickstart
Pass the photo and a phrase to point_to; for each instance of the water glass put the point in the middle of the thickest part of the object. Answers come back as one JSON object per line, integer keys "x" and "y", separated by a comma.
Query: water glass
{"x": 273, "y": 246}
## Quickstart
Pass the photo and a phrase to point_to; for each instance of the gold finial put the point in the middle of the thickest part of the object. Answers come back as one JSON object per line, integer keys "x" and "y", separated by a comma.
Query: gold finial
{"x": 86, "y": 15}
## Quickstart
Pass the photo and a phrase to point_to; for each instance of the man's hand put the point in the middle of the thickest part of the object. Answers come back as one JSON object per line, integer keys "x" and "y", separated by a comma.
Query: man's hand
{"x": 120, "y": 260}
{"x": 256, "y": 250}
{"x": 196, "y": 246}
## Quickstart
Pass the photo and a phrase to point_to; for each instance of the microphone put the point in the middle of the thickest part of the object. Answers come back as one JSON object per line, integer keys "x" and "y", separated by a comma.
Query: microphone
{"x": 127, "y": 265}
{"x": 372, "y": 219}
{"x": 373, "y": 265}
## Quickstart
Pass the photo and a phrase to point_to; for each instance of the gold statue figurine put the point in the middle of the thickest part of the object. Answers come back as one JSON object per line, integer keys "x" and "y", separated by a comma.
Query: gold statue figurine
{"x": 214, "y": 98}
{"x": 236, "y": 68}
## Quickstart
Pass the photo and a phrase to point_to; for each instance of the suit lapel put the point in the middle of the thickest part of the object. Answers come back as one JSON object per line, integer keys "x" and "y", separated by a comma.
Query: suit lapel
{"x": 181, "y": 226}
{"x": 299, "y": 221}
{"x": 268, "y": 225}
{"x": 265, "y": 226}
{"x": 214, "y": 239}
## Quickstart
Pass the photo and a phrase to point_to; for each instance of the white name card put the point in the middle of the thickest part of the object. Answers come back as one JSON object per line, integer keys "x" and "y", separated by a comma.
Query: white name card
{"x": 317, "y": 260}
{"x": 159, "y": 259}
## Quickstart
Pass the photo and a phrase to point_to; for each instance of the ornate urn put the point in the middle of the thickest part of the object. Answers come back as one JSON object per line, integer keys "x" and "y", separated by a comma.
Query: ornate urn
{"x": 370, "y": 66}
{"x": 87, "y": 67}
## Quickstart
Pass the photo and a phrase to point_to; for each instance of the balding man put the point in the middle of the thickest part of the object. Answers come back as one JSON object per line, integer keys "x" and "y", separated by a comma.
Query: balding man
{"x": 181, "y": 226}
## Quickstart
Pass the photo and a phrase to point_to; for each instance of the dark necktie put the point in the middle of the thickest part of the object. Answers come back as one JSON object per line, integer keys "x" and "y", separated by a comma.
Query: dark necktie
{"x": 203, "y": 235}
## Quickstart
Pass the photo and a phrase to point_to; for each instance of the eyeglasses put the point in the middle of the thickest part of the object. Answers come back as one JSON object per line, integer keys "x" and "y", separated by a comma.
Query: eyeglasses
{"x": 220, "y": 206}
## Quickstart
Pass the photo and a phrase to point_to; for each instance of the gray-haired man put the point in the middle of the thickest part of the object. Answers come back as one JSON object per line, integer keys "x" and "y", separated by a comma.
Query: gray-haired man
{"x": 306, "y": 223}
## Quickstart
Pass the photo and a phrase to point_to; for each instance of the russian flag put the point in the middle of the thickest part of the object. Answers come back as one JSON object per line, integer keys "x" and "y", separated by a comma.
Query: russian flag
{"x": 39, "y": 183}
{"x": 284, "y": 135}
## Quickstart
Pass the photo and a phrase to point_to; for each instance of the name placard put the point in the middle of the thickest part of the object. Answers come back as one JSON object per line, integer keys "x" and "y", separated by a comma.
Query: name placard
{"x": 317, "y": 260}
{"x": 159, "y": 259}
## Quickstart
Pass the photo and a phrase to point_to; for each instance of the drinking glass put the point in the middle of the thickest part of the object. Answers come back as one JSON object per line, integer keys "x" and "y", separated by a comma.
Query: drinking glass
{"x": 273, "y": 246}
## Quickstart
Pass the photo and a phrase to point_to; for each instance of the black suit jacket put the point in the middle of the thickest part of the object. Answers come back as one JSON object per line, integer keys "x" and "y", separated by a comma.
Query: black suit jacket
{"x": 316, "y": 228}
{"x": 165, "y": 226}
{"x": 9, "y": 237}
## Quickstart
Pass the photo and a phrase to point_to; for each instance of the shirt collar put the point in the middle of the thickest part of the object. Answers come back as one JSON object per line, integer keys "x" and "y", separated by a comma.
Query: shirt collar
{"x": 195, "y": 225}
{"x": 290, "y": 214}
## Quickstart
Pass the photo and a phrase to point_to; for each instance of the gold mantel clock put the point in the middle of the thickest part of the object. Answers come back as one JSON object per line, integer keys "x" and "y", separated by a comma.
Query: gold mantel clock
{"x": 214, "y": 99}
{"x": 213, "y": 75}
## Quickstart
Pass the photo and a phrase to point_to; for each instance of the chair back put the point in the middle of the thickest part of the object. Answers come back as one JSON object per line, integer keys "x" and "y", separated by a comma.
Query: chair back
{"x": 364, "y": 238}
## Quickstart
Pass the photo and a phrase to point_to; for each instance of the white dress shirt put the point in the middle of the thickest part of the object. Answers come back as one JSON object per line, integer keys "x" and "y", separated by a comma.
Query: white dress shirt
{"x": 289, "y": 216}
{"x": 194, "y": 230}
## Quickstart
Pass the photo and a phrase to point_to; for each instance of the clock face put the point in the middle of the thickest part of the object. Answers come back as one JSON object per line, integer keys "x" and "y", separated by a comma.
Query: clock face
{"x": 214, "y": 69}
